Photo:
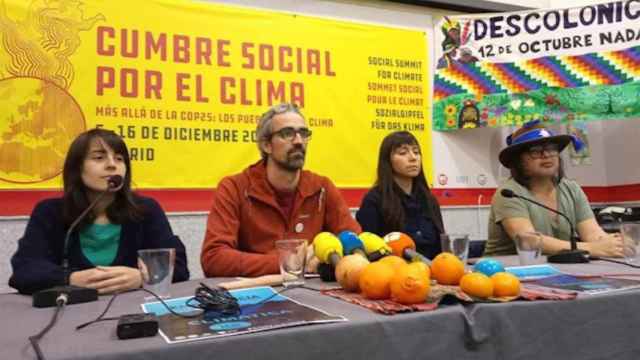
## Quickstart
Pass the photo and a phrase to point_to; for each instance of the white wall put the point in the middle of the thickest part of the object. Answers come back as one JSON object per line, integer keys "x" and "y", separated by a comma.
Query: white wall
{"x": 464, "y": 155}
{"x": 594, "y": 174}
{"x": 622, "y": 142}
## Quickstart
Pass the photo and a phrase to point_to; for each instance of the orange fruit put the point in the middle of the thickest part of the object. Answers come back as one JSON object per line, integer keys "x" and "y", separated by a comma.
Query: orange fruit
{"x": 447, "y": 269}
{"x": 410, "y": 284}
{"x": 477, "y": 284}
{"x": 396, "y": 262}
{"x": 375, "y": 279}
{"x": 505, "y": 284}
{"x": 423, "y": 266}
{"x": 348, "y": 271}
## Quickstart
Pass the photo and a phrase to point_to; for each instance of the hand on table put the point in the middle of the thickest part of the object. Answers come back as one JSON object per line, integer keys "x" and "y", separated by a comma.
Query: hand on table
{"x": 107, "y": 279}
{"x": 312, "y": 262}
{"x": 610, "y": 245}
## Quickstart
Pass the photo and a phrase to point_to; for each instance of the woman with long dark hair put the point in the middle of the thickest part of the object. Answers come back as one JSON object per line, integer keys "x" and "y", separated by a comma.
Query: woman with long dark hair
{"x": 533, "y": 157}
{"x": 401, "y": 200}
{"x": 102, "y": 251}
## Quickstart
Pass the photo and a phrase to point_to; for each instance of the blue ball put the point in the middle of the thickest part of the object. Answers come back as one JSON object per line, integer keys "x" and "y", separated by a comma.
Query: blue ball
{"x": 488, "y": 266}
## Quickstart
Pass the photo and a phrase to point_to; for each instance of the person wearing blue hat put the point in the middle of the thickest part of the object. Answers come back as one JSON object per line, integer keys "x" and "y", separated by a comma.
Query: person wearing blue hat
{"x": 533, "y": 157}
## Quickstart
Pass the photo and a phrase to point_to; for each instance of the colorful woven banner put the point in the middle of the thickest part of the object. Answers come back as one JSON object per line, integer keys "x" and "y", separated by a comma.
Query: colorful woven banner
{"x": 555, "y": 65}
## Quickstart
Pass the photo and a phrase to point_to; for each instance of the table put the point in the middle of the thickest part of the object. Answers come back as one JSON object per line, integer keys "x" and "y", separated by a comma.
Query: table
{"x": 590, "y": 327}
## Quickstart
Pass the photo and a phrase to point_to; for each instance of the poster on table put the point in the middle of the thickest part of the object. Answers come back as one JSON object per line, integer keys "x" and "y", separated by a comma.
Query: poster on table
{"x": 262, "y": 309}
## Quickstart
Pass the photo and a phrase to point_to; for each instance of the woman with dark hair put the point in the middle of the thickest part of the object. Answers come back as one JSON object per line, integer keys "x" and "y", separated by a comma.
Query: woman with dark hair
{"x": 102, "y": 251}
{"x": 401, "y": 200}
{"x": 533, "y": 156}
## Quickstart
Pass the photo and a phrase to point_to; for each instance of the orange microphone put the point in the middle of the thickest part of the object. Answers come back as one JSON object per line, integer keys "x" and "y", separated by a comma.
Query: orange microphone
{"x": 402, "y": 245}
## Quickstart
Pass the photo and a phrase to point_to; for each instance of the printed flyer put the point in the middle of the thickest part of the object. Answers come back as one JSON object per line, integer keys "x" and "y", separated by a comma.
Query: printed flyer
{"x": 262, "y": 309}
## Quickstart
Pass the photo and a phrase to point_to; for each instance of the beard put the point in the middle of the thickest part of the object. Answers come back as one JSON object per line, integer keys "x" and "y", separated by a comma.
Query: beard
{"x": 294, "y": 160}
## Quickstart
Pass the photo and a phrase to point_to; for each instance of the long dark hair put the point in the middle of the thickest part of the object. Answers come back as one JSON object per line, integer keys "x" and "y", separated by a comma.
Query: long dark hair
{"x": 392, "y": 209}
{"x": 519, "y": 175}
{"x": 124, "y": 206}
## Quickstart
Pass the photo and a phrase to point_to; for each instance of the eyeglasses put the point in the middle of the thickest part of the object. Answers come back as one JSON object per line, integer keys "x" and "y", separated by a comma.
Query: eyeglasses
{"x": 538, "y": 151}
{"x": 288, "y": 133}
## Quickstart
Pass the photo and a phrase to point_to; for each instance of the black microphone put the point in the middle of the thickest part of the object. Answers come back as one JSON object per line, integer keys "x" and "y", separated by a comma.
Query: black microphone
{"x": 572, "y": 256}
{"x": 75, "y": 294}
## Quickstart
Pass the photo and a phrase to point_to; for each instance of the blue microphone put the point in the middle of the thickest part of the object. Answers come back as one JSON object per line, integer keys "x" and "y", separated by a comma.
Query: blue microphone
{"x": 351, "y": 243}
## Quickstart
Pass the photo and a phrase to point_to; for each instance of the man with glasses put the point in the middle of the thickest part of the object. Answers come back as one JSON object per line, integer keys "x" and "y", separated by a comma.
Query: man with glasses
{"x": 271, "y": 200}
{"x": 533, "y": 156}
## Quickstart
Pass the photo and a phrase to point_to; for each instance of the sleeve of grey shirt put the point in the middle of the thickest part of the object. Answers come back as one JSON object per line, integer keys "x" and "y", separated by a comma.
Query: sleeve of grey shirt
{"x": 582, "y": 206}
{"x": 505, "y": 208}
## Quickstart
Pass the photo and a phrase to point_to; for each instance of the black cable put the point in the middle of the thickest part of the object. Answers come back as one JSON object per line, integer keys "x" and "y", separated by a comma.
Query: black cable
{"x": 60, "y": 302}
{"x": 168, "y": 307}
{"x": 216, "y": 300}
{"x": 100, "y": 317}
{"x": 219, "y": 301}
{"x": 615, "y": 261}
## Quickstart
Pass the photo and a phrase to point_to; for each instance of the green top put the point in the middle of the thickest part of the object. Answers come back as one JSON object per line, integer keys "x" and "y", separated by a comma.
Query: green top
{"x": 100, "y": 242}
{"x": 571, "y": 201}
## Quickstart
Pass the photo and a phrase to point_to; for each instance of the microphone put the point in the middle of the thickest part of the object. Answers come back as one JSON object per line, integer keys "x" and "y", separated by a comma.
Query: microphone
{"x": 75, "y": 294}
{"x": 326, "y": 272}
{"x": 113, "y": 183}
{"x": 402, "y": 245}
{"x": 327, "y": 248}
{"x": 375, "y": 247}
{"x": 351, "y": 243}
{"x": 572, "y": 256}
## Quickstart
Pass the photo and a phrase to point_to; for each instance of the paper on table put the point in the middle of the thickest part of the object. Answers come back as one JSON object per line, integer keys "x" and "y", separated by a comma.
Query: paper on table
{"x": 530, "y": 272}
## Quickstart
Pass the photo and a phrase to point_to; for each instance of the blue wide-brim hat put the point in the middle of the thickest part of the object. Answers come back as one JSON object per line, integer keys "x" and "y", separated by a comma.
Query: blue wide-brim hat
{"x": 533, "y": 133}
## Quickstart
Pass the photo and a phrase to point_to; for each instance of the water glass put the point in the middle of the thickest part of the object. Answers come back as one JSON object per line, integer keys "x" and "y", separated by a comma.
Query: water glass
{"x": 631, "y": 235}
{"x": 156, "y": 267}
{"x": 292, "y": 254}
{"x": 457, "y": 244}
{"x": 529, "y": 247}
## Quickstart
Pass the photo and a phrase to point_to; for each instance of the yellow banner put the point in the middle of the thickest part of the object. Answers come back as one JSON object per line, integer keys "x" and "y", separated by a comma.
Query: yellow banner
{"x": 185, "y": 82}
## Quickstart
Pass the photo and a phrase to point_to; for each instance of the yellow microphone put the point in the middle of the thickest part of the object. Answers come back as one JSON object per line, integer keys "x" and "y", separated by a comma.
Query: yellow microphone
{"x": 375, "y": 247}
{"x": 327, "y": 248}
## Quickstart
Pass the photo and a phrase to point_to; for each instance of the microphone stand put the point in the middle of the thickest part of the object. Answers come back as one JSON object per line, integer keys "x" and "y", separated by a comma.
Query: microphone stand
{"x": 74, "y": 294}
{"x": 566, "y": 256}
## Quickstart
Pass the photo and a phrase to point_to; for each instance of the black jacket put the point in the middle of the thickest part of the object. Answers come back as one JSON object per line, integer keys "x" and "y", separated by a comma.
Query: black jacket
{"x": 37, "y": 262}
{"x": 423, "y": 220}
